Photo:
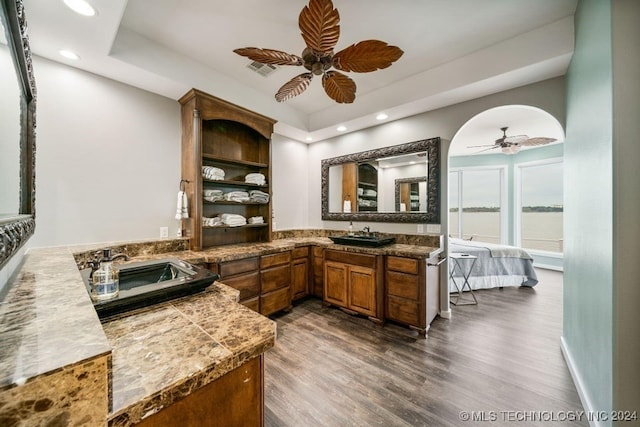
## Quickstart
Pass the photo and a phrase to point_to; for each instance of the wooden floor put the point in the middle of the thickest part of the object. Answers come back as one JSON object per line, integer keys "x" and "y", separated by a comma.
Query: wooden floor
{"x": 497, "y": 358}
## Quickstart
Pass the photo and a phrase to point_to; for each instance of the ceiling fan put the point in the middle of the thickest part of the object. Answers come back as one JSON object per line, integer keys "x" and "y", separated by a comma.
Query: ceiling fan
{"x": 319, "y": 23}
{"x": 513, "y": 144}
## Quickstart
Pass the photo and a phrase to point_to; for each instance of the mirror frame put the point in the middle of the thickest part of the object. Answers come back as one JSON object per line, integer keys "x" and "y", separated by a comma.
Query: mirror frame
{"x": 431, "y": 216}
{"x": 15, "y": 230}
{"x": 399, "y": 181}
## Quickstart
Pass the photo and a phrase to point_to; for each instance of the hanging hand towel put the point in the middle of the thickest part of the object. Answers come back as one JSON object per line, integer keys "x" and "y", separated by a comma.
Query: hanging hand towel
{"x": 179, "y": 204}
{"x": 185, "y": 205}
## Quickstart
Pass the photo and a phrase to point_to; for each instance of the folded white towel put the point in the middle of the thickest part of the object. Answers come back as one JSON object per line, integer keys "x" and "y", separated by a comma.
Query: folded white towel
{"x": 256, "y": 220}
{"x": 259, "y": 196}
{"x": 212, "y": 195}
{"x": 233, "y": 220}
{"x": 255, "y": 178}
{"x": 211, "y": 222}
{"x": 237, "y": 196}
{"x": 212, "y": 173}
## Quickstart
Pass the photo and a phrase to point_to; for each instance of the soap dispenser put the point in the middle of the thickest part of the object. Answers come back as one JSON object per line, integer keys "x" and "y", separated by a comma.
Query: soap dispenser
{"x": 350, "y": 228}
{"x": 104, "y": 281}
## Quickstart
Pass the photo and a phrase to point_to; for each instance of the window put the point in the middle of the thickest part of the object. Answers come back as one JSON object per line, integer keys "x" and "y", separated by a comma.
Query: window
{"x": 480, "y": 192}
{"x": 539, "y": 205}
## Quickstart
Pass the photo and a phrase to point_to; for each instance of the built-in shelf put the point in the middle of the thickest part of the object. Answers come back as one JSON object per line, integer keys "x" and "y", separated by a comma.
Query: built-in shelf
{"x": 229, "y": 202}
{"x": 233, "y": 161}
{"x": 220, "y": 227}
{"x": 235, "y": 183}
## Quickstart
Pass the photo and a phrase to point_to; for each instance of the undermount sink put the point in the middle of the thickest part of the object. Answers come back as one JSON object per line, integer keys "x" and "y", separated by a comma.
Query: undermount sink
{"x": 146, "y": 283}
{"x": 362, "y": 240}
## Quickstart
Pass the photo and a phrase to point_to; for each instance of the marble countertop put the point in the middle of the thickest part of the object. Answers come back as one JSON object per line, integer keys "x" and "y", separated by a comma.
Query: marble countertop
{"x": 247, "y": 250}
{"x": 156, "y": 355}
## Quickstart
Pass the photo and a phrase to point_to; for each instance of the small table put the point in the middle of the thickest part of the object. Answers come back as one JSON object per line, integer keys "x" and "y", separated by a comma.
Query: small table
{"x": 459, "y": 261}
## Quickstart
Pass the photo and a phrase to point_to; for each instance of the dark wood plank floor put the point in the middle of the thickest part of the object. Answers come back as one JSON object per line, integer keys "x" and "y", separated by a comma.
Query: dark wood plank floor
{"x": 497, "y": 358}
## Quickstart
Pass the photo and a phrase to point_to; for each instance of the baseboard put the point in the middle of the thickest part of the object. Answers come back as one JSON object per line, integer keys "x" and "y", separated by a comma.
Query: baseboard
{"x": 548, "y": 266}
{"x": 577, "y": 381}
{"x": 445, "y": 314}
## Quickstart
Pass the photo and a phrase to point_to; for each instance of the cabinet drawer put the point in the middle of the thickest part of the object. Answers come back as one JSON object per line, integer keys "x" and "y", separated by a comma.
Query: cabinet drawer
{"x": 232, "y": 268}
{"x": 275, "y": 301}
{"x": 402, "y": 285}
{"x": 253, "y": 304}
{"x": 403, "y": 310}
{"x": 300, "y": 252}
{"x": 351, "y": 258}
{"x": 404, "y": 265}
{"x": 267, "y": 261}
{"x": 248, "y": 285}
{"x": 275, "y": 278}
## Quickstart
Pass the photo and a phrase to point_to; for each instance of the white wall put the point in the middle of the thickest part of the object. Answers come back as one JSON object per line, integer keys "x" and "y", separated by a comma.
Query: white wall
{"x": 107, "y": 159}
{"x": 289, "y": 187}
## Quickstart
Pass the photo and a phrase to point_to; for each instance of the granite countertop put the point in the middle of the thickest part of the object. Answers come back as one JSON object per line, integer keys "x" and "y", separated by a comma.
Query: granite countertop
{"x": 48, "y": 325}
{"x": 151, "y": 357}
{"x": 247, "y": 250}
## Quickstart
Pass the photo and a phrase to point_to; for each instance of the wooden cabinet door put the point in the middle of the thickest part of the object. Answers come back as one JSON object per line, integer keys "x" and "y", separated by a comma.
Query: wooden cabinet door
{"x": 335, "y": 283}
{"x": 234, "y": 400}
{"x": 299, "y": 277}
{"x": 362, "y": 290}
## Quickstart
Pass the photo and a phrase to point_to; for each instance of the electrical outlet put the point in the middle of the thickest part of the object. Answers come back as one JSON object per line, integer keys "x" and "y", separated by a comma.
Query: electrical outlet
{"x": 433, "y": 228}
{"x": 420, "y": 228}
{"x": 164, "y": 232}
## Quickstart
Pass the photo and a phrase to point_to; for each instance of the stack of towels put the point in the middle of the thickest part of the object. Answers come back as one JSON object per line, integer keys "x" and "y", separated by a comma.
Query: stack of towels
{"x": 255, "y": 178}
{"x": 233, "y": 220}
{"x": 237, "y": 196}
{"x": 211, "y": 195}
{"x": 211, "y": 222}
{"x": 258, "y": 196}
{"x": 256, "y": 220}
{"x": 212, "y": 173}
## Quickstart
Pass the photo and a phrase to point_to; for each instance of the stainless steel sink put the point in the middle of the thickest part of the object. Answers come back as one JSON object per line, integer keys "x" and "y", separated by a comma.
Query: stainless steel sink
{"x": 370, "y": 240}
{"x": 149, "y": 282}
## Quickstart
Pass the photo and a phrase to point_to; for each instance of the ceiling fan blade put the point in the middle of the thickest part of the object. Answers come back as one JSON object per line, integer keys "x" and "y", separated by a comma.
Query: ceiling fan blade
{"x": 516, "y": 139}
{"x": 294, "y": 87}
{"x": 478, "y": 146}
{"x": 319, "y": 23}
{"x": 269, "y": 56}
{"x": 366, "y": 56}
{"x": 487, "y": 149}
{"x": 538, "y": 141}
{"x": 339, "y": 87}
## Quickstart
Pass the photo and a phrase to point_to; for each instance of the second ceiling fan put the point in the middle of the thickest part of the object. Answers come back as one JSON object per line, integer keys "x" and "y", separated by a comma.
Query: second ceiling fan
{"x": 319, "y": 24}
{"x": 513, "y": 144}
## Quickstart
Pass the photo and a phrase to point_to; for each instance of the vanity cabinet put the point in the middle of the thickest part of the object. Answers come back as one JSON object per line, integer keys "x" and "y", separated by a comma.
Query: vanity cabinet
{"x": 317, "y": 265}
{"x": 275, "y": 282}
{"x": 412, "y": 291}
{"x": 300, "y": 273}
{"x": 243, "y": 275}
{"x": 354, "y": 283}
{"x": 219, "y": 134}
{"x": 236, "y": 399}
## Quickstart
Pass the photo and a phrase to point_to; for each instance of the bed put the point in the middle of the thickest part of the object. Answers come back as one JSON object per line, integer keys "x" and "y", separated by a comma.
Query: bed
{"x": 497, "y": 265}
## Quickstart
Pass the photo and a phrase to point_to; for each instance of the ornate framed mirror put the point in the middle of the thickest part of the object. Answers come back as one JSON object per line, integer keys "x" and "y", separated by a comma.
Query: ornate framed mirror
{"x": 17, "y": 132}
{"x": 362, "y": 186}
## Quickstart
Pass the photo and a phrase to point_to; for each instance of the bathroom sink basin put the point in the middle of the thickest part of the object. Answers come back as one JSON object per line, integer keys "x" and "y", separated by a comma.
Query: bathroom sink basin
{"x": 362, "y": 240}
{"x": 149, "y": 282}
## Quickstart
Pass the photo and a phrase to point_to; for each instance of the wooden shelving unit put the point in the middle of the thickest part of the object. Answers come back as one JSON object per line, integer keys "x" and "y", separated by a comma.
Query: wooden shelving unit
{"x": 238, "y": 141}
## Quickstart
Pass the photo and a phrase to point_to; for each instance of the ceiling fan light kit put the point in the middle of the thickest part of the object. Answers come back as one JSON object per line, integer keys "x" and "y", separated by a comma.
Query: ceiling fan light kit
{"x": 513, "y": 144}
{"x": 319, "y": 24}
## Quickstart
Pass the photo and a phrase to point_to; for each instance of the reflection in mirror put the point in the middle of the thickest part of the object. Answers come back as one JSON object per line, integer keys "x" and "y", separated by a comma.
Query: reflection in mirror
{"x": 365, "y": 186}
{"x": 9, "y": 132}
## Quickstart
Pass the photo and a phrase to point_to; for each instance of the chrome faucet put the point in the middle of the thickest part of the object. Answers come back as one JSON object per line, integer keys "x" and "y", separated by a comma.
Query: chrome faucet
{"x": 366, "y": 230}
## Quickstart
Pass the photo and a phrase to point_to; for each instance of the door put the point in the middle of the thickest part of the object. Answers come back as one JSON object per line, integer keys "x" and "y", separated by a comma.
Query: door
{"x": 362, "y": 290}
{"x": 335, "y": 281}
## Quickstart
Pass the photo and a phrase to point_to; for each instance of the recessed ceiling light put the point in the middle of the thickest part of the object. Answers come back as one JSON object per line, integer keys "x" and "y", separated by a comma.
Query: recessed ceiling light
{"x": 69, "y": 54}
{"x": 341, "y": 128}
{"x": 381, "y": 116}
{"x": 81, "y": 7}
{"x": 309, "y": 138}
